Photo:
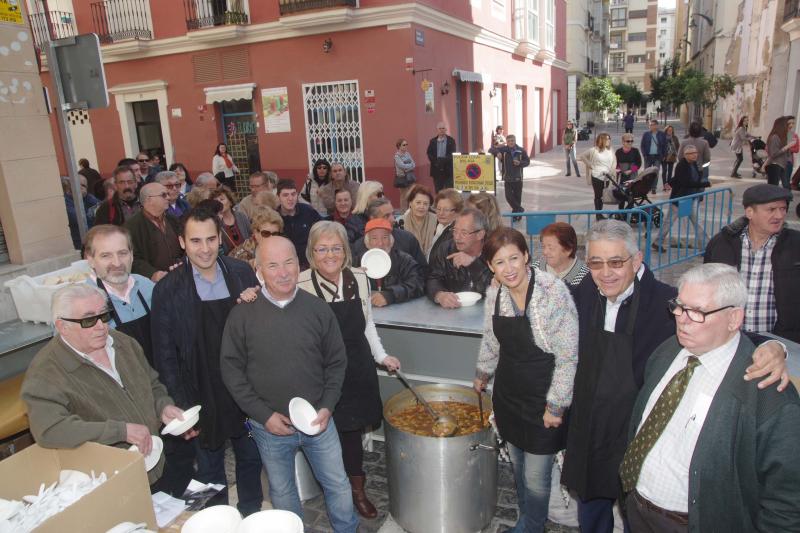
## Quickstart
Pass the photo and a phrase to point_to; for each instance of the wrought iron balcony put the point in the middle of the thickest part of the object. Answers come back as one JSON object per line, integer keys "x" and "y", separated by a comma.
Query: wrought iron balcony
{"x": 209, "y": 13}
{"x": 62, "y": 22}
{"x": 121, "y": 20}
{"x": 294, "y": 6}
{"x": 791, "y": 10}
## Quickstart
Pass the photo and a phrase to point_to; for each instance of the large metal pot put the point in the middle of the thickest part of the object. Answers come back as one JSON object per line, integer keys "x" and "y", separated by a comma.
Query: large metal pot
{"x": 437, "y": 484}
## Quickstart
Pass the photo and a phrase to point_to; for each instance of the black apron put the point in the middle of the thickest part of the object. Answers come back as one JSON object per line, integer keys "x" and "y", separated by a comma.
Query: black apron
{"x": 360, "y": 403}
{"x": 523, "y": 377}
{"x": 220, "y": 417}
{"x": 138, "y": 328}
{"x": 604, "y": 395}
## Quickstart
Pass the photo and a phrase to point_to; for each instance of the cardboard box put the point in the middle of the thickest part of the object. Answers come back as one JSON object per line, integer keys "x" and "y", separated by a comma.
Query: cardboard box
{"x": 124, "y": 497}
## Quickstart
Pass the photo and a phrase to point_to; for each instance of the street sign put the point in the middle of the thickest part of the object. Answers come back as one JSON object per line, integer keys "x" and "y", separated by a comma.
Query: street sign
{"x": 473, "y": 172}
{"x": 83, "y": 79}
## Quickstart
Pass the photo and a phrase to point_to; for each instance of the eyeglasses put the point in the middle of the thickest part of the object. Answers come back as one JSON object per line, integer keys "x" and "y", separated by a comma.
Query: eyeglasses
{"x": 162, "y": 195}
{"x": 143, "y": 160}
{"x": 403, "y": 144}
{"x": 597, "y": 264}
{"x": 172, "y": 185}
{"x": 464, "y": 233}
{"x": 266, "y": 233}
{"x": 322, "y": 166}
{"x": 628, "y": 141}
{"x": 325, "y": 250}
{"x": 379, "y": 194}
{"x": 695, "y": 315}
{"x": 90, "y": 321}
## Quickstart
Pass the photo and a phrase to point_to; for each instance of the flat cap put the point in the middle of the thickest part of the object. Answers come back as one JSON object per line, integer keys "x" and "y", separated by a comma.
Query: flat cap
{"x": 764, "y": 194}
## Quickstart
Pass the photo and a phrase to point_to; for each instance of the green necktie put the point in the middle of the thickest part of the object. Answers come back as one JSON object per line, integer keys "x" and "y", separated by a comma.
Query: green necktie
{"x": 654, "y": 426}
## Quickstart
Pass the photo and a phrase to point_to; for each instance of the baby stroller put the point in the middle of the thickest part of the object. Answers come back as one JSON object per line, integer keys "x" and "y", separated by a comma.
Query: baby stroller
{"x": 633, "y": 194}
{"x": 758, "y": 152}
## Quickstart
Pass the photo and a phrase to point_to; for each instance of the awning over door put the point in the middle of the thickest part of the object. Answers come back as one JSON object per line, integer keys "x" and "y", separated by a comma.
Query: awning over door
{"x": 224, "y": 93}
{"x": 466, "y": 75}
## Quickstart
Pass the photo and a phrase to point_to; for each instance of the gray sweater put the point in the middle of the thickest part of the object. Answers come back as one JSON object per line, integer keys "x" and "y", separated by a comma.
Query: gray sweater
{"x": 270, "y": 355}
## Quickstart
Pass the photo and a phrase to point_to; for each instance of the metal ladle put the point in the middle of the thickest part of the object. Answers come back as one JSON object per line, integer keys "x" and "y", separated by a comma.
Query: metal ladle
{"x": 444, "y": 425}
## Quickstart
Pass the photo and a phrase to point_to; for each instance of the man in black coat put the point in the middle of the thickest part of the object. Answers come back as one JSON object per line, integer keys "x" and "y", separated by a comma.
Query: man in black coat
{"x": 297, "y": 218}
{"x": 457, "y": 265}
{"x": 190, "y": 307}
{"x": 405, "y": 280}
{"x": 404, "y": 241}
{"x": 623, "y": 317}
{"x": 440, "y": 155}
{"x": 124, "y": 204}
{"x": 774, "y": 265}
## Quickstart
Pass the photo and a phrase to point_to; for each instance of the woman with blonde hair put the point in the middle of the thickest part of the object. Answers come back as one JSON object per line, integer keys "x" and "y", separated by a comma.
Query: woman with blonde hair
{"x": 487, "y": 204}
{"x": 346, "y": 290}
{"x": 266, "y": 223}
{"x": 601, "y": 162}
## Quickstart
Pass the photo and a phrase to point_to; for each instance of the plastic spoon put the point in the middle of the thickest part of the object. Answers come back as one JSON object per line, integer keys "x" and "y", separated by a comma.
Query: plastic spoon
{"x": 444, "y": 425}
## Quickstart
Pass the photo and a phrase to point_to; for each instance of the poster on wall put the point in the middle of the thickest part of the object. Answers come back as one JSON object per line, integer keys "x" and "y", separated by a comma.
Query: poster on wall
{"x": 473, "y": 172}
{"x": 275, "y": 103}
{"x": 10, "y": 11}
{"x": 427, "y": 89}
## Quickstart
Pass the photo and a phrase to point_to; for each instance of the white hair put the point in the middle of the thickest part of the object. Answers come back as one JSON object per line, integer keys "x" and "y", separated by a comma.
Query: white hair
{"x": 729, "y": 288}
{"x": 165, "y": 175}
{"x": 613, "y": 230}
{"x": 64, "y": 298}
{"x": 204, "y": 179}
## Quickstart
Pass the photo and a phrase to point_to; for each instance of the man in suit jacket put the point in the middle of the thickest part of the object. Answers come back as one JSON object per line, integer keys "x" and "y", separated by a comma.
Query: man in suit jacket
{"x": 653, "y": 147}
{"x": 440, "y": 154}
{"x": 709, "y": 451}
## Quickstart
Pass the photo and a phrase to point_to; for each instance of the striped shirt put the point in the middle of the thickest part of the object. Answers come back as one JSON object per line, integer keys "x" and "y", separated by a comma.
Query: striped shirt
{"x": 756, "y": 271}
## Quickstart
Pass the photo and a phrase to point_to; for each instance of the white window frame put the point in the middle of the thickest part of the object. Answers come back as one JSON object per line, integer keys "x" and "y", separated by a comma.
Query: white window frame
{"x": 532, "y": 12}
{"x": 124, "y": 95}
{"x": 550, "y": 24}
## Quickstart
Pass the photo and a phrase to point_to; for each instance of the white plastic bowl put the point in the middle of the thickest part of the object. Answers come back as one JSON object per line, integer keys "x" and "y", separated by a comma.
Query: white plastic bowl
{"x": 468, "y": 298}
{"x": 274, "y": 521}
{"x": 377, "y": 262}
{"x": 302, "y": 414}
{"x": 215, "y": 519}
{"x": 151, "y": 460}
{"x": 178, "y": 427}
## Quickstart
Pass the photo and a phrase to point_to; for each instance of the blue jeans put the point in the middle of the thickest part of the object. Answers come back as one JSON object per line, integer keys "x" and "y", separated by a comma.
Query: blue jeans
{"x": 324, "y": 454}
{"x": 211, "y": 469}
{"x": 597, "y": 516}
{"x": 532, "y": 478}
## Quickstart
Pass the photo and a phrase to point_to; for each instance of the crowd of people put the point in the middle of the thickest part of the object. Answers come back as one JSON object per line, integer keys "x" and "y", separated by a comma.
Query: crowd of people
{"x": 238, "y": 305}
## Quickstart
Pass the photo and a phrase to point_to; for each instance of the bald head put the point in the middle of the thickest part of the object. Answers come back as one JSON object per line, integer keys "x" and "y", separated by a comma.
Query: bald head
{"x": 278, "y": 266}
{"x": 154, "y": 199}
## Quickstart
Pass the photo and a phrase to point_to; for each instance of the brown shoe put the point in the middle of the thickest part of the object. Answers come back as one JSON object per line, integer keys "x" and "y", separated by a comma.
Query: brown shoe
{"x": 364, "y": 506}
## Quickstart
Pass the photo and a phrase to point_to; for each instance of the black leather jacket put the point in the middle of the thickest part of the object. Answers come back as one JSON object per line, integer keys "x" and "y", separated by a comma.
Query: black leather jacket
{"x": 444, "y": 276}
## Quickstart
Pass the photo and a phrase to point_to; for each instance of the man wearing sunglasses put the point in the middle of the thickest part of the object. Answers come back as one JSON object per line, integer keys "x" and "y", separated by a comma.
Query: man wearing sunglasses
{"x": 93, "y": 384}
{"x": 177, "y": 206}
{"x": 709, "y": 451}
{"x": 190, "y": 308}
{"x": 623, "y": 318}
{"x": 154, "y": 234}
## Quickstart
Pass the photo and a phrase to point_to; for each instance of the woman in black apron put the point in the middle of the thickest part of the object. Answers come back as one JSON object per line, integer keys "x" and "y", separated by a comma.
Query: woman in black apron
{"x": 530, "y": 345}
{"x": 347, "y": 292}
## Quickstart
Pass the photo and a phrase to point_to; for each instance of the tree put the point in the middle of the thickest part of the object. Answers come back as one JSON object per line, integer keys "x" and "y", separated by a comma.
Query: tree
{"x": 664, "y": 88}
{"x": 597, "y": 95}
{"x": 630, "y": 94}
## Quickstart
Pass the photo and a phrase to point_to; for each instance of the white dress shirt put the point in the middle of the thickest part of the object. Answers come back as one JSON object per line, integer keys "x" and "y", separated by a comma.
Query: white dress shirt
{"x": 112, "y": 358}
{"x": 612, "y": 308}
{"x": 664, "y": 479}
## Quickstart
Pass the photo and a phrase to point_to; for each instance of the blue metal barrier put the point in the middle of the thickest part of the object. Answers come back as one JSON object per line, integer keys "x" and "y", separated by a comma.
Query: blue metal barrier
{"x": 662, "y": 247}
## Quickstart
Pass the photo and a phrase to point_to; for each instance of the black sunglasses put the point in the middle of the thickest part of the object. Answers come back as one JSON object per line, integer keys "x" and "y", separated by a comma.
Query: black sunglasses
{"x": 266, "y": 233}
{"x": 90, "y": 321}
{"x": 379, "y": 195}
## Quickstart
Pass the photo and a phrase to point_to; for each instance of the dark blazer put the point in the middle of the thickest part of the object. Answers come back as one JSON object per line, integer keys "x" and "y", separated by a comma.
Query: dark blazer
{"x": 110, "y": 211}
{"x": 726, "y": 247}
{"x": 403, "y": 241}
{"x": 744, "y": 474}
{"x": 174, "y": 324}
{"x": 445, "y": 276}
{"x": 682, "y": 182}
{"x": 405, "y": 280}
{"x": 660, "y": 140}
{"x": 441, "y": 169}
{"x": 297, "y": 227}
{"x": 145, "y": 250}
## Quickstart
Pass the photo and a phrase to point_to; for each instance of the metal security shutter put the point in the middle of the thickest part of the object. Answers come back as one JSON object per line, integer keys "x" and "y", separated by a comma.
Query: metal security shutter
{"x": 333, "y": 125}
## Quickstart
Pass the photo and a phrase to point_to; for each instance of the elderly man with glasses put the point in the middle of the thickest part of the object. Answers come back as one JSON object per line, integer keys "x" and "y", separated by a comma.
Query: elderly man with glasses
{"x": 709, "y": 451}
{"x": 457, "y": 265}
{"x": 623, "y": 318}
{"x": 93, "y": 384}
{"x": 154, "y": 234}
{"x": 177, "y": 205}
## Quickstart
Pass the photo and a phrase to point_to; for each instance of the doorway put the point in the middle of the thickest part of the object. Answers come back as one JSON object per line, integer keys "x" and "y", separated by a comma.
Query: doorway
{"x": 240, "y": 133}
{"x": 147, "y": 123}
